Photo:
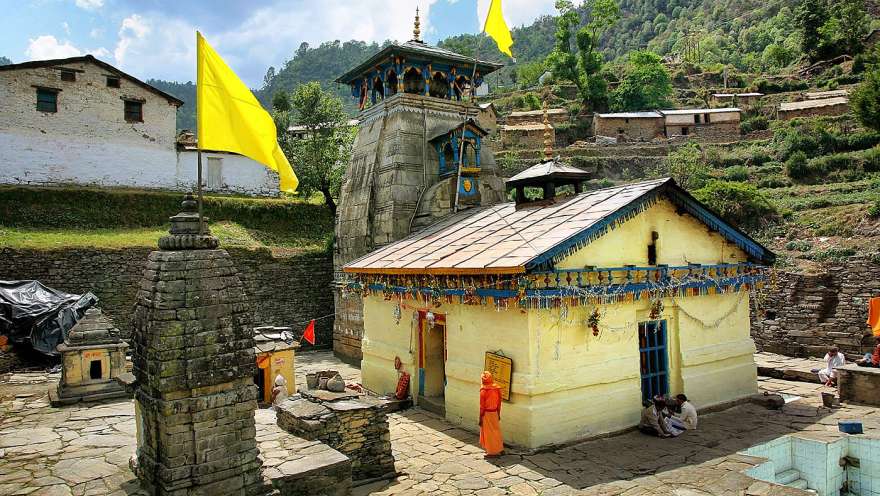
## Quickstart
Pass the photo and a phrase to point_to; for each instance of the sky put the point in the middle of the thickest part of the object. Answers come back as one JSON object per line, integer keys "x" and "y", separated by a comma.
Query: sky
{"x": 156, "y": 38}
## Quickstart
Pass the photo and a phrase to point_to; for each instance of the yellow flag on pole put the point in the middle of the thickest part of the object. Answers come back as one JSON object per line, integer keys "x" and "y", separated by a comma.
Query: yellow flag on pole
{"x": 229, "y": 117}
{"x": 497, "y": 28}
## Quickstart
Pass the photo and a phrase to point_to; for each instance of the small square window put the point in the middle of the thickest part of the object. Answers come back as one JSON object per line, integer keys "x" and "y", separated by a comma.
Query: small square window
{"x": 68, "y": 75}
{"x": 134, "y": 111}
{"x": 47, "y": 100}
{"x": 112, "y": 82}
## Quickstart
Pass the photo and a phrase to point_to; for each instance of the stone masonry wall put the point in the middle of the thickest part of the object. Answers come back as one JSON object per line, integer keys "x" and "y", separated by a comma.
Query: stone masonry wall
{"x": 281, "y": 290}
{"x": 804, "y": 315}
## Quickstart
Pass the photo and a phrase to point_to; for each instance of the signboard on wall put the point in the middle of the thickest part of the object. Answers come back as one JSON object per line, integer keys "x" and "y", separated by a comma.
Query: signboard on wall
{"x": 501, "y": 368}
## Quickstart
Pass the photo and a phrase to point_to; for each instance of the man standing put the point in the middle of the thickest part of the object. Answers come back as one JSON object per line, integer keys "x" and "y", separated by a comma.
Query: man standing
{"x": 833, "y": 360}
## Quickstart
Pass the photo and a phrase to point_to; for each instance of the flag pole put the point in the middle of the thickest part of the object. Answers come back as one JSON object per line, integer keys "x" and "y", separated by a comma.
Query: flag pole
{"x": 467, "y": 114}
{"x": 198, "y": 133}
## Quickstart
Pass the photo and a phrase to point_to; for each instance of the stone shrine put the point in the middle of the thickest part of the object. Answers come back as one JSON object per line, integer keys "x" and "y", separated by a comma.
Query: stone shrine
{"x": 419, "y": 155}
{"x": 92, "y": 357}
{"x": 194, "y": 364}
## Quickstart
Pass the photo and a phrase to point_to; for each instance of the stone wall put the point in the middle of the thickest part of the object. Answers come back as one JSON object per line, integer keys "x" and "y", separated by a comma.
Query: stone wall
{"x": 804, "y": 315}
{"x": 827, "y": 110}
{"x": 286, "y": 290}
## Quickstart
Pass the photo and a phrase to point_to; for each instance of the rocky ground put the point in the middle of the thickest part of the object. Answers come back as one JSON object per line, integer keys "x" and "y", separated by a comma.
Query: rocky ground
{"x": 84, "y": 449}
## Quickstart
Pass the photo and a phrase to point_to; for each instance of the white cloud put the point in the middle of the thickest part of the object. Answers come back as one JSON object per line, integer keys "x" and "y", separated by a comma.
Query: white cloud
{"x": 518, "y": 12}
{"x": 48, "y": 47}
{"x": 153, "y": 45}
{"x": 96, "y": 33}
{"x": 90, "y": 4}
{"x": 66, "y": 28}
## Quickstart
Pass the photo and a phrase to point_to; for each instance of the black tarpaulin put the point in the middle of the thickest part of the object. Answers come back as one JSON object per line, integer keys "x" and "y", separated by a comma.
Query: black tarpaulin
{"x": 33, "y": 313}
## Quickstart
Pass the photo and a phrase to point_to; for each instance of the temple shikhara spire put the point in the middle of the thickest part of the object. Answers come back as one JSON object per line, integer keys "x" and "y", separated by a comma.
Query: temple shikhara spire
{"x": 416, "y": 31}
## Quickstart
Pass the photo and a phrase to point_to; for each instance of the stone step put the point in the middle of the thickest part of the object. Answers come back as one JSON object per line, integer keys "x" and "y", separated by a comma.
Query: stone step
{"x": 433, "y": 404}
{"x": 798, "y": 484}
{"x": 787, "y": 476}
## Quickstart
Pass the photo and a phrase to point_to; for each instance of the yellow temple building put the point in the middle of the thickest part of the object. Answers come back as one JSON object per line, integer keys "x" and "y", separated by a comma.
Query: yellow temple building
{"x": 595, "y": 301}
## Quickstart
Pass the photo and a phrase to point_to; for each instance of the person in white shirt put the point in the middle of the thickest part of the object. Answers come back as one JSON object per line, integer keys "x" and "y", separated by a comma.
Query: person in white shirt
{"x": 833, "y": 360}
{"x": 279, "y": 392}
{"x": 687, "y": 419}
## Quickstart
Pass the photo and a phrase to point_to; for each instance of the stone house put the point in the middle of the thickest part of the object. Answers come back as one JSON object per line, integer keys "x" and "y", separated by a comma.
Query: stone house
{"x": 813, "y": 107}
{"x": 613, "y": 295}
{"x": 82, "y": 121}
{"x": 556, "y": 116}
{"x": 488, "y": 117}
{"x": 529, "y": 136}
{"x": 702, "y": 123}
{"x": 630, "y": 126}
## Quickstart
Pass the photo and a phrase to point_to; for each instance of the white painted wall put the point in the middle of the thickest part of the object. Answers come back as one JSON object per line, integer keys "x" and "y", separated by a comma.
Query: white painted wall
{"x": 88, "y": 141}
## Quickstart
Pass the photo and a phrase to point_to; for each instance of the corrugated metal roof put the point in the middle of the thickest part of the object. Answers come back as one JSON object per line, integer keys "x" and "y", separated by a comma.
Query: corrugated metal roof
{"x": 807, "y": 104}
{"x": 821, "y": 95}
{"x": 500, "y": 238}
{"x": 538, "y": 113}
{"x": 700, "y": 111}
{"x": 631, "y": 115}
{"x": 546, "y": 169}
{"x": 524, "y": 127}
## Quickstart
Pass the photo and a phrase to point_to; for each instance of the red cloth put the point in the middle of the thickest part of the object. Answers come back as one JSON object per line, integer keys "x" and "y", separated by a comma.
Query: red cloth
{"x": 490, "y": 416}
{"x": 309, "y": 334}
{"x": 874, "y": 315}
{"x": 875, "y": 357}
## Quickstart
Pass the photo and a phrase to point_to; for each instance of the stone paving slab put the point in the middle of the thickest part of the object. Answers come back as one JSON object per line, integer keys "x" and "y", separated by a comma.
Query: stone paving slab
{"x": 72, "y": 452}
{"x": 788, "y": 368}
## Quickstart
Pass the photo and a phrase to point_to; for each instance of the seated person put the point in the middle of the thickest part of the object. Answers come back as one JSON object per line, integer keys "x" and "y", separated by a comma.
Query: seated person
{"x": 687, "y": 419}
{"x": 655, "y": 420}
{"x": 833, "y": 360}
{"x": 871, "y": 359}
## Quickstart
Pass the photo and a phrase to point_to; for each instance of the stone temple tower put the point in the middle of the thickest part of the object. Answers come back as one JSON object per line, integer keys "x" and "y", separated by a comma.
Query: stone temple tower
{"x": 419, "y": 155}
{"x": 193, "y": 361}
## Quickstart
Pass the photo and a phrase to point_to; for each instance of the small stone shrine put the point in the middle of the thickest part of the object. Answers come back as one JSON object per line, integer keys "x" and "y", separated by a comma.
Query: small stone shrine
{"x": 356, "y": 426}
{"x": 92, "y": 357}
{"x": 194, "y": 366}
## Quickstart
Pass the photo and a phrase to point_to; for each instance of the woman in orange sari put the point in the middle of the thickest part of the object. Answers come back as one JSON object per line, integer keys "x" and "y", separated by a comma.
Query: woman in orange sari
{"x": 490, "y": 416}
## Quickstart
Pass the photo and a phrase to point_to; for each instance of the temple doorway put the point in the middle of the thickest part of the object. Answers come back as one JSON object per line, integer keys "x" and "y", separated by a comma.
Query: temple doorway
{"x": 439, "y": 86}
{"x": 432, "y": 377}
{"x": 413, "y": 81}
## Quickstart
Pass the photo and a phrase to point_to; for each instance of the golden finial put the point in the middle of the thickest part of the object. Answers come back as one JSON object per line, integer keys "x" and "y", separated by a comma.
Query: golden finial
{"x": 548, "y": 139}
{"x": 416, "y": 30}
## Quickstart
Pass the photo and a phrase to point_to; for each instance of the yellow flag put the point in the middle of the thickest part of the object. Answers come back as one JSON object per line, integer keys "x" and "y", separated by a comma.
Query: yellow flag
{"x": 229, "y": 117}
{"x": 497, "y": 28}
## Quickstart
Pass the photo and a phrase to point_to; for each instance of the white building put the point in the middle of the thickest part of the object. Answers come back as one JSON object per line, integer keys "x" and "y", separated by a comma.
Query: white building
{"x": 82, "y": 121}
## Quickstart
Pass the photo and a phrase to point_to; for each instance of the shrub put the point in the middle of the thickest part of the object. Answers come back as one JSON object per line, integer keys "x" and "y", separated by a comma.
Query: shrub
{"x": 833, "y": 254}
{"x": 796, "y": 166}
{"x": 774, "y": 181}
{"x": 865, "y": 101}
{"x": 739, "y": 173}
{"x": 799, "y": 245}
{"x": 770, "y": 168}
{"x": 874, "y": 210}
{"x": 756, "y": 123}
{"x": 739, "y": 203}
{"x": 686, "y": 165}
{"x": 531, "y": 101}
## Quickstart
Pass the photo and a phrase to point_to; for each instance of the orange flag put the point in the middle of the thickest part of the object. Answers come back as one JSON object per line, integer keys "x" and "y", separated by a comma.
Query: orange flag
{"x": 309, "y": 334}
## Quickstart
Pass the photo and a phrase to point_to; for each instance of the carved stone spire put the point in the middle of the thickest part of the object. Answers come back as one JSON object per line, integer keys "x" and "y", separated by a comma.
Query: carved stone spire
{"x": 416, "y": 31}
{"x": 548, "y": 139}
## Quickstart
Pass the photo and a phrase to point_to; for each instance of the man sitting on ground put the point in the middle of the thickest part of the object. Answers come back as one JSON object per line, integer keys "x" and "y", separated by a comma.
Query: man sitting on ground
{"x": 871, "y": 359}
{"x": 655, "y": 421}
{"x": 833, "y": 360}
{"x": 687, "y": 419}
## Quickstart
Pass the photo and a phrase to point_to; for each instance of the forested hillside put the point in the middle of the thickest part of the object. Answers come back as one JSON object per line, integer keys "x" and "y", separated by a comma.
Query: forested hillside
{"x": 752, "y": 36}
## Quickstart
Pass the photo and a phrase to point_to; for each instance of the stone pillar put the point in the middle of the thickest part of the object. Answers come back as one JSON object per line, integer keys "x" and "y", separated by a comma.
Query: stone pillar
{"x": 194, "y": 363}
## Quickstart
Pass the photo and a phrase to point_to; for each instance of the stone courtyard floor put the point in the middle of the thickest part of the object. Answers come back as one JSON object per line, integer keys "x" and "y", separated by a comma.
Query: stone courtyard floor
{"x": 84, "y": 449}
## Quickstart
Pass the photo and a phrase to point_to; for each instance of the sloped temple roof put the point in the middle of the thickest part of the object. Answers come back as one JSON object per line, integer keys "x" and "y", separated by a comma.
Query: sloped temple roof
{"x": 502, "y": 239}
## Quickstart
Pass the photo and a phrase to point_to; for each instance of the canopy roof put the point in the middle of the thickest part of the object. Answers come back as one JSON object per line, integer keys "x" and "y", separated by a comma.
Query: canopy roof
{"x": 502, "y": 239}
{"x": 420, "y": 51}
{"x": 547, "y": 170}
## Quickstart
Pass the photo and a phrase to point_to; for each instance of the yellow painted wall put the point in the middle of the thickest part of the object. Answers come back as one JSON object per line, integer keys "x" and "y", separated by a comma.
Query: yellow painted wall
{"x": 283, "y": 362}
{"x": 683, "y": 239}
{"x": 567, "y": 383}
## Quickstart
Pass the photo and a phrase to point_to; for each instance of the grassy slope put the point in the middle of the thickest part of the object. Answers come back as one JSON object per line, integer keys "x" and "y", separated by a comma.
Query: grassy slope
{"x": 46, "y": 218}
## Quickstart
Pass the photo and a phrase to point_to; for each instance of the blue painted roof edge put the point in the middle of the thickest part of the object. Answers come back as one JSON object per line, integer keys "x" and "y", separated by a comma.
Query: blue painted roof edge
{"x": 678, "y": 196}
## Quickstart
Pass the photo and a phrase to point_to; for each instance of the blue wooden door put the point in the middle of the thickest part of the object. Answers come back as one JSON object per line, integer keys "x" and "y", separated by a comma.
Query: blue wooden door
{"x": 653, "y": 361}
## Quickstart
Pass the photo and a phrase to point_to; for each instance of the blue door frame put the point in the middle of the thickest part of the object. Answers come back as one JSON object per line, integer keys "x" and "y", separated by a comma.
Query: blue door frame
{"x": 653, "y": 359}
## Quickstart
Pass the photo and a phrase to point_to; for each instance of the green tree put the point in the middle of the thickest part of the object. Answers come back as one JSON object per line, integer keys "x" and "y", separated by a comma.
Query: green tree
{"x": 646, "y": 84}
{"x": 527, "y": 74}
{"x": 739, "y": 203}
{"x": 686, "y": 165}
{"x": 5, "y": 61}
{"x": 320, "y": 156}
{"x": 846, "y": 27}
{"x": 809, "y": 18}
{"x": 576, "y": 56}
{"x": 865, "y": 100}
{"x": 281, "y": 102}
